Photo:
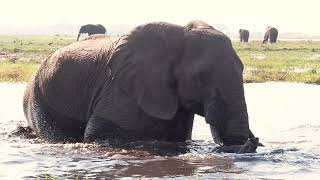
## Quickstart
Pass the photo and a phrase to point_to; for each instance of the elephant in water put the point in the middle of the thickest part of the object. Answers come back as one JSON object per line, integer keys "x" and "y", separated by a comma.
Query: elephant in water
{"x": 92, "y": 29}
{"x": 244, "y": 35}
{"x": 272, "y": 34}
{"x": 146, "y": 85}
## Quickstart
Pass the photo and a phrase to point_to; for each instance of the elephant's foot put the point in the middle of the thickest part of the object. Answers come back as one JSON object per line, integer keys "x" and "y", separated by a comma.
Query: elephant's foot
{"x": 24, "y": 132}
{"x": 96, "y": 129}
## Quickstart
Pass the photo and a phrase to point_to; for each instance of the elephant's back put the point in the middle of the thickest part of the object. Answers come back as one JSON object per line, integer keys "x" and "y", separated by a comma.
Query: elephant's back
{"x": 97, "y": 36}
{"x": 70, "y": 76}
{"x": 198, "y": 24}
{"x": 95, "y": 42}
{"x": 245, "y": 32}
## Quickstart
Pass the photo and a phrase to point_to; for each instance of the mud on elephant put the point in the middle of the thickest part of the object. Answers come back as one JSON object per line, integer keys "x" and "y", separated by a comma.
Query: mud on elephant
{"x": 91, "y": 29}
{"x": 198, "y": 24}
{"x": 143, "y": 86}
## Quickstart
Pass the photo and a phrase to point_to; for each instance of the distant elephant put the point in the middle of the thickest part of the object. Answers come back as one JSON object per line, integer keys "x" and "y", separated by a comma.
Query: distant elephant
{"x": 143, "y": 86}
{"x": 244, "y": 35}
{"x": 272, "y": 34}
{"x": 92, "y": 29}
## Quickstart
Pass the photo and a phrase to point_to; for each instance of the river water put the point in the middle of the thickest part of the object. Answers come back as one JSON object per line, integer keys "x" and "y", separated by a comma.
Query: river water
{"x": 285, "y": 116}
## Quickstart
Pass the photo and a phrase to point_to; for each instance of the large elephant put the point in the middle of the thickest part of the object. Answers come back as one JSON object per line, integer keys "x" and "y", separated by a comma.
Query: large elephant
{"x": 244, "y": 35}
{"x": 272, "y": 34}
{"x": 143, "y": 86}
{"x": 91, "y": 29}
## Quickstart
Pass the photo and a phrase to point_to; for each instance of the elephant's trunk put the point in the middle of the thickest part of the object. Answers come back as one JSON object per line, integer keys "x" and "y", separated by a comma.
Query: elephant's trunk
{"x": 78, "y": 36}
{"x": 266, "y": 37}
{"x": 236, "y": 129}
{"x": 228, "y": 119}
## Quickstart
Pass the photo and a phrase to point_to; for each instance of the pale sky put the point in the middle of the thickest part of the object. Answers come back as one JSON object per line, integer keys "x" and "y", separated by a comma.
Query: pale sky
{"x": 254, "y": 15}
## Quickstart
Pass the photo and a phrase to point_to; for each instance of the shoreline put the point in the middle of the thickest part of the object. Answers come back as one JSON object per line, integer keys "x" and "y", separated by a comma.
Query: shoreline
{"x": 22, "y": 72}
{"x": 286, "y": 61}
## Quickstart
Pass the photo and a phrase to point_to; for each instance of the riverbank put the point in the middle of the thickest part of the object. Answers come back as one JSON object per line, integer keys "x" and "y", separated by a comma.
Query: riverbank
{"x": 292, "y": 61}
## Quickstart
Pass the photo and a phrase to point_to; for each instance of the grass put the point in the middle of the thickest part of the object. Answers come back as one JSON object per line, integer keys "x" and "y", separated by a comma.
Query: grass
{"x": 31, "y": 48}
{"x": 20, "y": 56}
{"x": 16, "y": 72}
{"x": 294, "y": 61}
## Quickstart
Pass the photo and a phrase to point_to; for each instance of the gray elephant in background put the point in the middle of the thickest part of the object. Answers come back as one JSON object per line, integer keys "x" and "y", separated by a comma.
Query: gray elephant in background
{"x": 244, "y": 35}
{"x": 147, "y": 85}
{"x": 91, "y": 29}
{"x": 272, "y": 34}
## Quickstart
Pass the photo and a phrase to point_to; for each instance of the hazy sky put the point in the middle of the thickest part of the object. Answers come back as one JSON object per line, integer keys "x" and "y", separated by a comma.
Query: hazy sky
{"x": 255, "y": 15}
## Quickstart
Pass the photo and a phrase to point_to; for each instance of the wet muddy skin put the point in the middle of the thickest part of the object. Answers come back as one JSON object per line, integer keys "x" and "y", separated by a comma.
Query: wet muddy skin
{"x": 284, "y": 116}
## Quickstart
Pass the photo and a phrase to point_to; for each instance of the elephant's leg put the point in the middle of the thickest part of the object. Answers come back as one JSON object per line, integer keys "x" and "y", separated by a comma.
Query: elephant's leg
{"x": 95, "y": 129}
{"x": 180, "y": 129}
{"x": 43, "y": 123}
{"x": 103, "y": 129}
{"x": 49, "y": 125}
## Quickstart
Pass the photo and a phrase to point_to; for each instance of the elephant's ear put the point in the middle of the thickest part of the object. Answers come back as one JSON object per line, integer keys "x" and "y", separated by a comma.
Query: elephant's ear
{"x": 151, "y": 86}
{"x": 148, "y": 74}
{"x": 154, "y": 93}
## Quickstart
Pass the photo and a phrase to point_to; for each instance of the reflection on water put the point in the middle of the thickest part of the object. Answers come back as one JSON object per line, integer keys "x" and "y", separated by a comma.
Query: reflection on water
{"x": 284, "y": 116}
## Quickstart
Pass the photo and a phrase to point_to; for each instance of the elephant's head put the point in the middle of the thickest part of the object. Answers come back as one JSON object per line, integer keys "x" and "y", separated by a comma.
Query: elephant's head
{"x": 91, "y": 29}
{"x": 267, "y": 34}
{"x": 197, "y": 70}
{"x": 83, "y": 29}
{"x": 210, "y": 82}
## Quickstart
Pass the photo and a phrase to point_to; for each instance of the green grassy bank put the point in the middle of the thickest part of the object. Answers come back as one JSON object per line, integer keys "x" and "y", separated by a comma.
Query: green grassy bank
{"x": 293, "y": 61}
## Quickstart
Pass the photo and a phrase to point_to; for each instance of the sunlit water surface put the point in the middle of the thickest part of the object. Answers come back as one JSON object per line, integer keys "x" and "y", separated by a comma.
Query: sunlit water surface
{"x": 285, "y": 116}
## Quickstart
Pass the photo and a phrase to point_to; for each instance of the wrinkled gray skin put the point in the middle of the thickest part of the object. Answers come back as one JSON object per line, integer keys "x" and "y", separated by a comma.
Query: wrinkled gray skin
{"x": 271, "y": 35}
{"x": 244, "y": 35}
{"x": 144, "y": 86}
{"x": 91, "y": 29}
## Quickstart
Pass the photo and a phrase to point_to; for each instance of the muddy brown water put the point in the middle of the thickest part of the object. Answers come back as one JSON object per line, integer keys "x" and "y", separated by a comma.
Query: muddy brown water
{"x": 285, "y": 116}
